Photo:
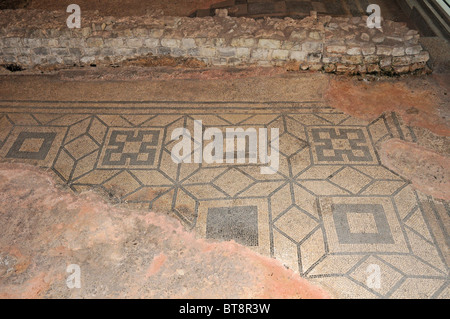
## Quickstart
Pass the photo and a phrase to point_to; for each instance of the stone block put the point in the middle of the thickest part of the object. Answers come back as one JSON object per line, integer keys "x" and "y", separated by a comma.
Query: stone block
{"x": 371, "y": 59}
{"x": 401, "y": 69}
{"x": 31, "y": 42}
{"x": 226, "y": 52}
{"x": 188, "y": 43}
{"x": 336, "y": 49}
{"x": 139, "y": 32}
{"x": 164, "y": 51}
{"x": 178, "y": 52}
{"x": 280, "y": 54}
{"x": 151, "y": 42}
{"x": 398, "y": 51}
{"x": 94, "y": 42}
{"x": 384, "y": 50}
{"x": 59, "y": 51}
{"x": 298, "y": 55}
{"x": 412, "y": 50}
{"x": 170, "y": 43}
{"x": 315, "y": 35}
{"x": 385, "y": 62}
{"x": 423, "y": 56}
{"x": 314, "y": 57}
{"x": 352, "y": 59}
{"x": 243, "y": 52}
{"x": 331, "y": 58}
{"x": 368, "y": 49}
{"x": 401, "y": 60}
{"x": 269, "y": 43}
{"x": 345, "y": 68}
{"x": 312, "y": 46}
{"x": 207, "y": 52}
{"x": 135, "y": 42}
{"x": 298, "y": 35}
{"x": 329, "y": 67}
{"x": 155, "y": 33}
{"x": 354, "y": 51}
{"x": 243, "y": 42}
{"x": 373, "y": 68}
{"x": 38, "y": 51}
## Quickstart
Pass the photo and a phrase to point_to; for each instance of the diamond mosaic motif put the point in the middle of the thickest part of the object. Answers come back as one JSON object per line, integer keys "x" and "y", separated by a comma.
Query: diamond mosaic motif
{"x": 329, "y": 212}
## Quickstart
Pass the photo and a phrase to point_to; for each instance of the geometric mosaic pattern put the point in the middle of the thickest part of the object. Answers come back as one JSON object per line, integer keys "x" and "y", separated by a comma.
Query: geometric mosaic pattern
{"x": 329, "y": 212}
{"x": 130, "y": 148}
{"x": 334, "y": 145}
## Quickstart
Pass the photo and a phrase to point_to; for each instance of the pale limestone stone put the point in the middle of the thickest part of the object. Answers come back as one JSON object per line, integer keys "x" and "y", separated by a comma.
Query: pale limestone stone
{"x": 243, "y": 42}
{"x": 170, "y": 43}
{"x": 354, "y": 51}
{"x": 398, "y": 51}
{"x": 269, "y": 44}
{"x": 401, "y": 60}
{"x": 384, "y": 50}
{"x": 336, "y": 49}
{"x": 413, "y": 50}
{"x": 280, "y": 54}
{"x": 298, "y": 55}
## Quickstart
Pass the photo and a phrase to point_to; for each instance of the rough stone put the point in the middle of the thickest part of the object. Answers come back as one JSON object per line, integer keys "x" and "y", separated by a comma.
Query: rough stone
{"x": 344, "y": 68}
{"x": 222, "y": 41}
{"x": 226, "y": 52}
{"x": 368, "y": 49}
{"x": 336, "y": 49}
{"x": 373, "y": 68}
{"x": 280, "y": 54}
{"x": 365, "y": 37}
{"x": 423, "y": 56}
{"x": 188, "y": 43}
{"x": 354, "y": 51}
{"x": 371, "y": 59}
{"x": 378, "y": 39}
{"x": 401, "y": 69}
{"x": 298, "y": 55}
{"x": 401, "y": 60}
{"x": 413, "y": 49}
{"x": 398, "y": 51}
{"x": 384, "y": 50}
{"x": 269, "y": 44}
{"x": 386, "y": 62}
{"x": 94, "y": 42}
{"x": 352, "y": 59}
{"x": 170, "y": 43}
{"x": 243, "y": 42}
{"x": 260, "y": 54}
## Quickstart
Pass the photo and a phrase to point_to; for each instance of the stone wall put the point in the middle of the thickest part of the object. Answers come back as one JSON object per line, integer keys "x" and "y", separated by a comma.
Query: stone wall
{"x": 341, "y": 45}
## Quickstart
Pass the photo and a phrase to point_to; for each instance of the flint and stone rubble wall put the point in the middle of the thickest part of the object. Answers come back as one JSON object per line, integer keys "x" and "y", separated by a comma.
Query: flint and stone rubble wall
{"x": 338, "y": 44}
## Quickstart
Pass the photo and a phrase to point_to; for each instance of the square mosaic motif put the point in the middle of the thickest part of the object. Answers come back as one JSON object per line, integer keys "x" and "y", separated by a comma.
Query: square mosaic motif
{"x": 328, "y": 212}
{"x": 31, "y": 145}
{"x": 131, "y": 148}
{"x": 244, "y": 221}
{"x": 34, "y": 145}
{"x": 369, "y": 227}
{"x": 233, "y": 223}
{"x": 362, "y": 224}
{"x": 333, "y": 145}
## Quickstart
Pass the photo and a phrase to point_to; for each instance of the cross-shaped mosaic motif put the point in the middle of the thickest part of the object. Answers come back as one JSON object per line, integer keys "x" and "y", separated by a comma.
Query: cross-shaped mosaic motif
{"x": 329, "y": 211}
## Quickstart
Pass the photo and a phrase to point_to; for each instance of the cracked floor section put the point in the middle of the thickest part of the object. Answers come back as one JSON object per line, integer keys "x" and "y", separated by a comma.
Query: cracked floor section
{"x": 333, "y": 209}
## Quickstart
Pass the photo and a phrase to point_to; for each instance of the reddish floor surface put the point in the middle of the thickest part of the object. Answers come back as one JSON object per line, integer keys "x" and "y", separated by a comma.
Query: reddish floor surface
{"x": 428, "y": 171}
{"x": 121, "y": 253}
{"x": 418, "y": 100}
